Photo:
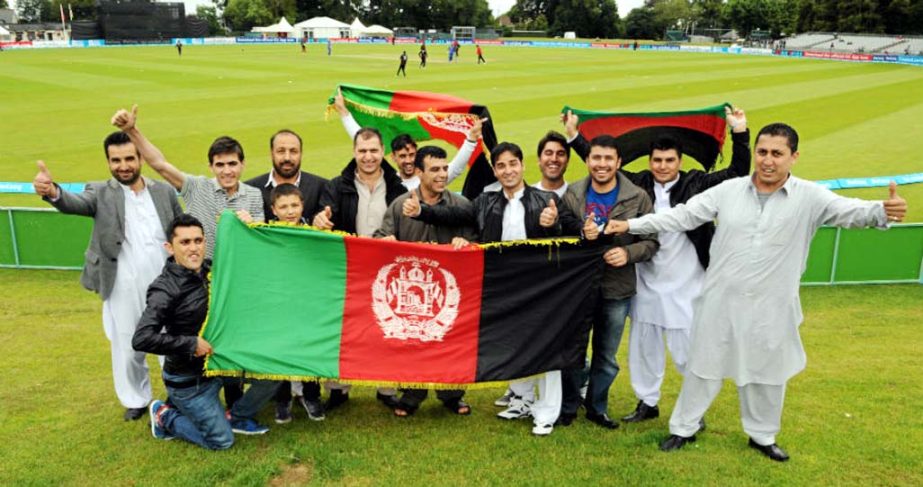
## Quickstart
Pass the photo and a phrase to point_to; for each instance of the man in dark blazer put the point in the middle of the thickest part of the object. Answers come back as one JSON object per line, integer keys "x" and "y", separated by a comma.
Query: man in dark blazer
{"x": 285, "y": 150}
{"x": 125, "y": 254}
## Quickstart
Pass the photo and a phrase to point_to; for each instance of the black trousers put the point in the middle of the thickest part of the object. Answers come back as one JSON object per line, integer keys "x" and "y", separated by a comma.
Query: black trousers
{"x": 311, "y": 391}
{"x": 412, "y": 398}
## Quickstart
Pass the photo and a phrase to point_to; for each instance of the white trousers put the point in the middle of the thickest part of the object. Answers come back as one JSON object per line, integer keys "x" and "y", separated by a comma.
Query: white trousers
{"x": 546, "y": 409}
{"x": 647, "y": 357}
{"x": 121, "y": 313}
{"x": 760, "y": 407}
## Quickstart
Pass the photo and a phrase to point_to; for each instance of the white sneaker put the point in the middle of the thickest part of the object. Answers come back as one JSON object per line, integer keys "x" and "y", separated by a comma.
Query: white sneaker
{"x": 504, "y": 400}
{"x": 542, "y": 429}
{"x": 518, "y": 409}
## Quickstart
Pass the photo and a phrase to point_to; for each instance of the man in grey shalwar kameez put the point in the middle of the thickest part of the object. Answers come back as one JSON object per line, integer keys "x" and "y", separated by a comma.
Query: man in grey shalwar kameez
{"x": 746, "y": 325}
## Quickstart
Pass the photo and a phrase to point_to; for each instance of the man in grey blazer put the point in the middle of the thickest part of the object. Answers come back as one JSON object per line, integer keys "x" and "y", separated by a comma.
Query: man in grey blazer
{"x": 125, "y": 254}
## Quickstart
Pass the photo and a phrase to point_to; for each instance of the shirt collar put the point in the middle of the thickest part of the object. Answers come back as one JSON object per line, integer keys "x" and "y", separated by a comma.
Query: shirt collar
{"x": 668, "y": 185}
{"x": 218, "y": 189}
{"x": 127, "y": 189}
{"x": 271, "y": 180}
{"x": 516, "y": 196}
{"x": 785, "y": 189}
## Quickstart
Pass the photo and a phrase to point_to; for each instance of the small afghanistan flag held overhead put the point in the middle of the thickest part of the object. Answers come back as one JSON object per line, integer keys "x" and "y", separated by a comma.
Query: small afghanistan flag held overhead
{"x": 425, "y": 116}
{"x": 701, "y": 132}
{"x": 293, "y": 303}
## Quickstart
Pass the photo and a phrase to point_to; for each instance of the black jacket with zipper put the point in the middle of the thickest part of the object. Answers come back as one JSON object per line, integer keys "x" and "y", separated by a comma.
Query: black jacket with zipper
{"x": 341, "y": 195}
{"x": 177, "y": 302}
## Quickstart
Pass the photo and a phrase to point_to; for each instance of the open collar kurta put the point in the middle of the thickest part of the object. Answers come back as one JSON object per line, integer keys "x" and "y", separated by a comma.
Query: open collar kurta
{"x": 671, "y": 280}
{"x": 746, "y": 323}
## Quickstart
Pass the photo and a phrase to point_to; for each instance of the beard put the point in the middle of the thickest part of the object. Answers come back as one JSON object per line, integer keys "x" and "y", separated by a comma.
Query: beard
{"x": 287, "y": 172}
{"x": 127, "y": 180}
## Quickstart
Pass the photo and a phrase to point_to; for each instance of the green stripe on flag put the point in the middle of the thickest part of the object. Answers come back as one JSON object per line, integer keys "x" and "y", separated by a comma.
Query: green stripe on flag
{"x": 279, "y": 322}
{"x": 371, "y": 107}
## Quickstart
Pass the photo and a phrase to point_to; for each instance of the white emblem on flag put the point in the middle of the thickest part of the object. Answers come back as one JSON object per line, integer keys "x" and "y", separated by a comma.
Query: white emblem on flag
{"x": 415, "y": 299}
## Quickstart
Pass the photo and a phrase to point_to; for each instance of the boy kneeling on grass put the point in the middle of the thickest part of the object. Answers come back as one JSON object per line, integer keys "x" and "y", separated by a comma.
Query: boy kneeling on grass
{"x": 177, "y": 303}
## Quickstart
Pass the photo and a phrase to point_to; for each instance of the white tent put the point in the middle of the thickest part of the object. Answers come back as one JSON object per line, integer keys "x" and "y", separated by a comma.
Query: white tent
{"x": 377, "y": 31}
{"x": 322, "y": 28}
{"x": 357, "y": 28}
{"x": 4, "y": 32}
{"x": 281, "y": 29}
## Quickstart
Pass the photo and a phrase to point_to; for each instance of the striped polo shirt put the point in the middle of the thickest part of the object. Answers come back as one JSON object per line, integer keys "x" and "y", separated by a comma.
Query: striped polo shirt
{"x": 206, "y": 199}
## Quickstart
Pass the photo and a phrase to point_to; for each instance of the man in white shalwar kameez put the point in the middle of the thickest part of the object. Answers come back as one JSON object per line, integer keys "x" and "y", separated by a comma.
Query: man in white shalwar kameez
{"x": 124, "y": 256}
{"x": 661, "y": 310}
{"x": 746, "y": 323}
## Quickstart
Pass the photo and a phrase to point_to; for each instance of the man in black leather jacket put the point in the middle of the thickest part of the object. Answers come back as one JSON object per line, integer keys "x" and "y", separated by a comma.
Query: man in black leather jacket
{"x": 177, "y": 304}
{"x": 542, "y": 217}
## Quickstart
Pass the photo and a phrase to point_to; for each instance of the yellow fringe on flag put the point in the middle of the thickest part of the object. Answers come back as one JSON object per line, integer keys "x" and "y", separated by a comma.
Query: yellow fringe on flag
{"x": 362, "y": 383}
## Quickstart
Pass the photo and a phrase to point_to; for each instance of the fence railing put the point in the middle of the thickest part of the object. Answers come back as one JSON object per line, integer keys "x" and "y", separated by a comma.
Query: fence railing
{"x": 43, "y": 238}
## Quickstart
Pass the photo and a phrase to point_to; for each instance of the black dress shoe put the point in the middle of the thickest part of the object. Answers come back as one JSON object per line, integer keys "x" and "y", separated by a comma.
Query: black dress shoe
{"x": 134, "y": 414}
{"x": 565, "y": 419}
{"x": 642, "y": 412}
{"x": 337, "y": 398}
{"x": 772, "y": 451}
{"x": 675, "y": 442}
{"x": 390, "y": 401}
{"x": 602, "y": 420}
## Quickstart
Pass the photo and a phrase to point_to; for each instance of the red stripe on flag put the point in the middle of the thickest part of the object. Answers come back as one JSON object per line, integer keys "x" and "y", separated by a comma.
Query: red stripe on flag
{"x": 419, "y": 101}
{"x": 619, "y": 125}
{"x": 411, "y": 312}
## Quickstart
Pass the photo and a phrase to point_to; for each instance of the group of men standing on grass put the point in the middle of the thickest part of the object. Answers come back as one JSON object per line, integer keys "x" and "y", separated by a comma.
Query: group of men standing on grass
{"x": 724, "y": 299}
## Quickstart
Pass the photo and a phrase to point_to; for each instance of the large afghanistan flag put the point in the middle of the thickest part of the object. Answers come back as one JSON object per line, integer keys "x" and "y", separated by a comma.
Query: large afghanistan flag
{"x": 292, "y": 303}
{"x": 425, "y": 116}
{"x": 701, "y": 132}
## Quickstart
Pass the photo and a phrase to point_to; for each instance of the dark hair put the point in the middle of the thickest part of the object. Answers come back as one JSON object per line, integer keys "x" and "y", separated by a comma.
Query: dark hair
{"x": 225, "y": 145}
{"x": 666, "y": 143}
{"x": 607, "y": 141}
{"x": 781, "y": 130}
{"x": 284, "y": 190}
{"x": 183, "y": 220}
{"x": 117, "y": 138}
{"x": 428, "y": 151}
{"x": 272, "y": 140}
{"x": 505, "y": 147}
{"x": 402, "y": 141}
{"x": 366, "y": 133}
{"x": 553, "y": 136}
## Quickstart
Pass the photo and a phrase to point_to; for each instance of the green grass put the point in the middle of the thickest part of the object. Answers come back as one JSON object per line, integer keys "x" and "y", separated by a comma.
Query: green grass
{"x": 851, "y": 418}
{"x": 855, "y": 119}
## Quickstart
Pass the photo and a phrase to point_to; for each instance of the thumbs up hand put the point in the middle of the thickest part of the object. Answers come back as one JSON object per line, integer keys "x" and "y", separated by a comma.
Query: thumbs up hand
{"x": 411, "y": 207}
{"x": 43, "y": 184}
{"x": 125, "y": 120}
{"x": 617, "y": 227}
{"x": 895, "y": 206}
{"x": 322, "y": 219}
{"x": 590, "y": 229}
{"x": 549, "y": 215}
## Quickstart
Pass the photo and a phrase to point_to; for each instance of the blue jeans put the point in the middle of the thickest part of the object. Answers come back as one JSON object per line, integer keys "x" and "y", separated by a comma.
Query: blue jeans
{"x": 608, "y": 325}
{"x": 197, "y": 415}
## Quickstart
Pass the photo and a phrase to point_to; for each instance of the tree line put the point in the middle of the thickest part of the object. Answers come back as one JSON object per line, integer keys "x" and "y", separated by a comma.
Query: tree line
{"x": 588, "y": 18}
